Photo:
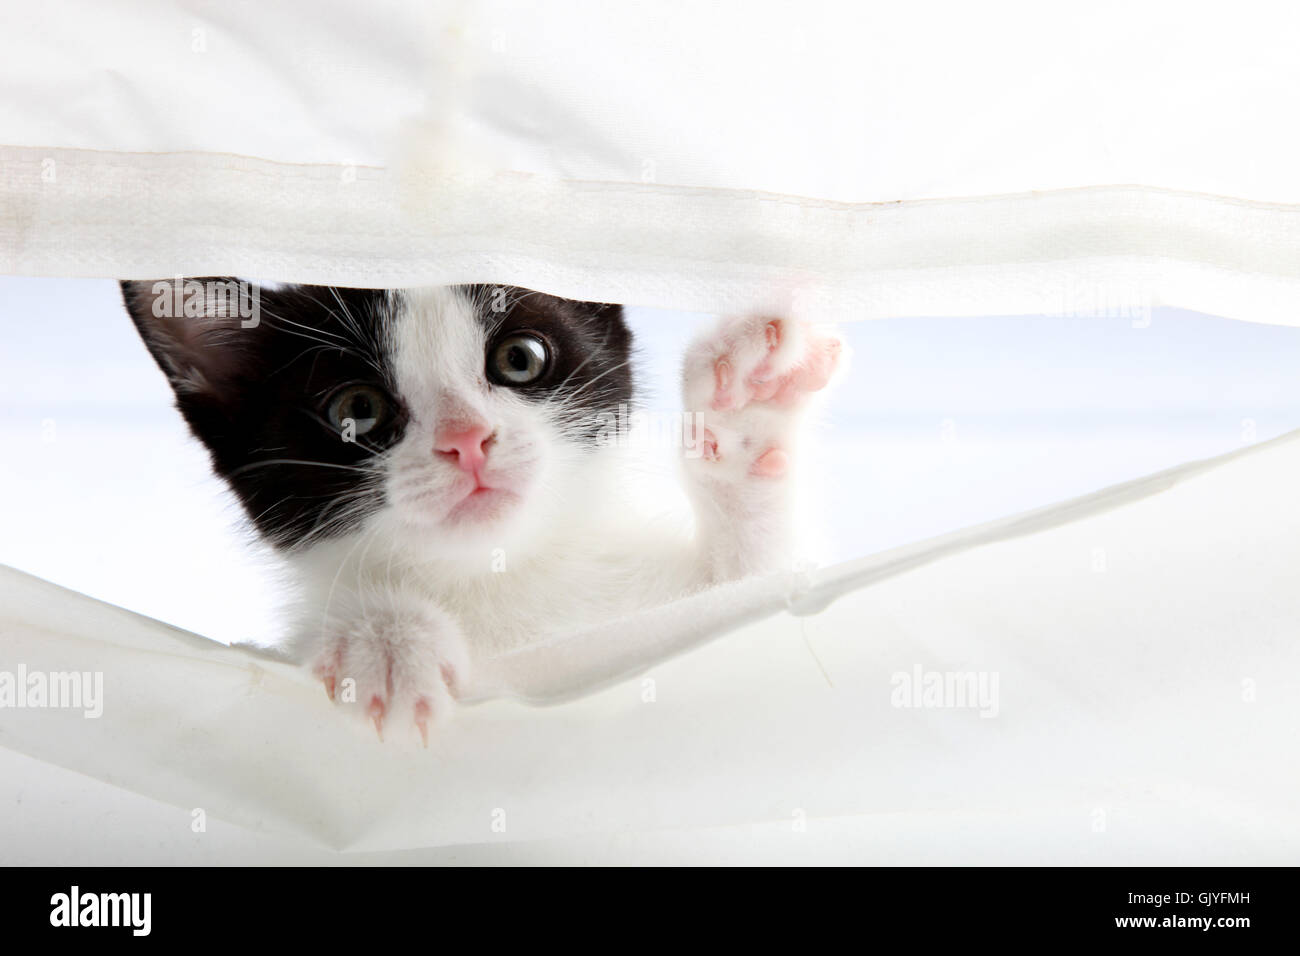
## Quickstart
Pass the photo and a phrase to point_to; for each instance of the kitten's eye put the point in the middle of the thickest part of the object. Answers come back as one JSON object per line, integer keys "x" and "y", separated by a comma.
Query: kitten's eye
{"x": 518, "y": 359}
{"x": 365, "y": 405}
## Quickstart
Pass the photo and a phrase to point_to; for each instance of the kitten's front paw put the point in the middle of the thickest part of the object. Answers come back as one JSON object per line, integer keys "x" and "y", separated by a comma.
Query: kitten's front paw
{"x": 747, "y": 384}
{"x": 400, "y": 661}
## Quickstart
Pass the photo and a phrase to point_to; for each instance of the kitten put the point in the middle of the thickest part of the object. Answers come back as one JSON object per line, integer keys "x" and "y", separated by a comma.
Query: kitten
{"x": 434, "y": 465}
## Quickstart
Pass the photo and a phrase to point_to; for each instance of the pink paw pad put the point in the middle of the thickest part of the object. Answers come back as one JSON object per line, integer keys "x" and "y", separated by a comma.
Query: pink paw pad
{"x": 761, "y": 378}
{"x": 772, "y": 376}
{"x": 709, "y": 446}
{"x": 723, "y": 379}
{"x": 756, "y": 374}
{"x": 772, "y": 332}
{"x": 773, "y": 463}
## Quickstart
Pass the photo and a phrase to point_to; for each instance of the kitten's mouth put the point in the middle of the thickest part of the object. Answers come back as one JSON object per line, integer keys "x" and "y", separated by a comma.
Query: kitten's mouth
{"x": 483, "y": 502}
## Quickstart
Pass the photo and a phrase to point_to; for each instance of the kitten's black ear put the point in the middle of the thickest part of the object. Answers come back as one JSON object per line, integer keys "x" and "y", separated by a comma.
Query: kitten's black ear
{"x": 606, "y": 317}
{"x": 609, "y": 311}
{"x": 201, "y": 332}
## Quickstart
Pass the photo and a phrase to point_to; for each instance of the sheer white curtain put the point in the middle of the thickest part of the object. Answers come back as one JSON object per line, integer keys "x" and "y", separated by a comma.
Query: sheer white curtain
{"x": 836, "y": 160}
{"x": 848, "y": 160}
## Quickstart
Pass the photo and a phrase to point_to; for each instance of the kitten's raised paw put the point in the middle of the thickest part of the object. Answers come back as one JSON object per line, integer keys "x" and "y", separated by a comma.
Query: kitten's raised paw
{"x": 746, "y": 384}
{"x": 400, "y": 664}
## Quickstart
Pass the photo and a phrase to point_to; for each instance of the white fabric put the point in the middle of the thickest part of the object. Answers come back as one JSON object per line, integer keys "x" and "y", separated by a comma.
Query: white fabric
{"x": 697, "y": 156}
{"x": 1110, "y": 250}
{"x": 1145, "y": 711}
{"x": 829, "y": 160}
{"x": 866, "y": 102}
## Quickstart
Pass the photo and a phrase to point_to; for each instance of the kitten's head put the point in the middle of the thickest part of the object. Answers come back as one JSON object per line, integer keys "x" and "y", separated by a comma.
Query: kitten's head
{"x": 459, "y": 417}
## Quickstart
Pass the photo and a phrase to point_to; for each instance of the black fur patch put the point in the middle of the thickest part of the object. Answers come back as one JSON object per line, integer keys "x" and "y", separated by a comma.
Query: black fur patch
{"x": 590, "y": 345}
{"x": 258, "y": 396}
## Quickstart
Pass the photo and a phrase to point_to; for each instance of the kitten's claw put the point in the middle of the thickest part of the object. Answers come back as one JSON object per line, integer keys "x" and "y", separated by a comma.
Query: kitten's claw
{"x": 401, "y": 666}
{"x": 422, "y": 713}
{"x": 450, "y": 678}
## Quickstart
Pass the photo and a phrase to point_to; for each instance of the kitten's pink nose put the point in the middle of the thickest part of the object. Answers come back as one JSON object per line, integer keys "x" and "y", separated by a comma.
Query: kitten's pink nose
{"x": 465, "y": 447}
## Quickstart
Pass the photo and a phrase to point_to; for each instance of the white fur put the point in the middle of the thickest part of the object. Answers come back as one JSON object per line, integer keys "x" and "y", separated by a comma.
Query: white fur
{"x": 421, "y": 590}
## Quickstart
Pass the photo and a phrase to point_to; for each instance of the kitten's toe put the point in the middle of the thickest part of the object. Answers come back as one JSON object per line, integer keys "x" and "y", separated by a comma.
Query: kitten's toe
{"x": 401, "y": 668}
{"x": 758, "y": 359}
{"x": 807, "y": 368}
{"x": 772, "y": 463}
{"x": 748, "y": 383}
{"x": 724, "y": 366}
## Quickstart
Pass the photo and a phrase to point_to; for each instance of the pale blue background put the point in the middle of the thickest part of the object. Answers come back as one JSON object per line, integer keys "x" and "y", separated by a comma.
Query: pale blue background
{"x": 941, "y": 423}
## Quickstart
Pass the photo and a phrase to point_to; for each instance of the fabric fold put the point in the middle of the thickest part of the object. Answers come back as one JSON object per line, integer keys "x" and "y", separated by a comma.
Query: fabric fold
{"x": 1168, "y": 667}
{"x": 1103, "y": 250}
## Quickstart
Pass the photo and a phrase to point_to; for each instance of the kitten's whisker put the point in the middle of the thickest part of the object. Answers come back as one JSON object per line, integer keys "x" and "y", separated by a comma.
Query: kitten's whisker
{"x": 563, "y": 400}
{"x": 366, "y": 342}
{"x": 280, "y": 501}
{"x": 590, "y": 355}
{"x": 364, "y": 469}
{"x": 358, "y": 440}
{"x": 348, "y": 318}
{"x": 358, "y": 504}
{"x": 280, "y": 321}
{"x": 329, "y": 595}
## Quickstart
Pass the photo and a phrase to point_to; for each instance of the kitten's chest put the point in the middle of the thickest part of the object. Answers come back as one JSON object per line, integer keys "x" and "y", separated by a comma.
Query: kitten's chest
{"x": 562, "y": 593}
{"x": 513, "y": 606}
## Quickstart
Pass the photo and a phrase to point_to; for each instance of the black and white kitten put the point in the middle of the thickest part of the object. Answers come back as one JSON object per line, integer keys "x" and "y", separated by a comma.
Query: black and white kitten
{"x": 435, "y": 465}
